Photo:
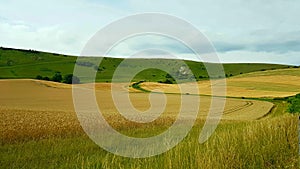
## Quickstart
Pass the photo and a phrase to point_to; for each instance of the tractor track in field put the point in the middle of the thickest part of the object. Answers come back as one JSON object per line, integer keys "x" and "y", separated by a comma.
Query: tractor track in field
{"x": 237, "y": 108}
{"x": 228, "y": 111}
{"x": 248, "y": 102}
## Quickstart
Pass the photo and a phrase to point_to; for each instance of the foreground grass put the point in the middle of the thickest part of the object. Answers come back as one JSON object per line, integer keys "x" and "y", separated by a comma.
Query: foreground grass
{"x": 267, "y": 143}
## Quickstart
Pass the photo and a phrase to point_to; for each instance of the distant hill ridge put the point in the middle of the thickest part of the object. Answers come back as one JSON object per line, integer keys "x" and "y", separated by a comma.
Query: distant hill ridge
{"x": 20, "y": 63}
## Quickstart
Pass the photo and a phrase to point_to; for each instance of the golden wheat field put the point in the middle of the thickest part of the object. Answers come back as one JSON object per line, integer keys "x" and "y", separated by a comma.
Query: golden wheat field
{"x": 33, "y": 108}
{"x": 272, "y": 83}
{"x": 39, "y": 129}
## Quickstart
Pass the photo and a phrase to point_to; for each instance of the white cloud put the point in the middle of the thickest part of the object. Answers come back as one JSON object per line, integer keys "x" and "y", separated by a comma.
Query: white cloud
{"x": 54, "y": 26}
{"x": 241, "y": 30}
{"x": 290, "y": 58}
{"x": 51, "y": 38}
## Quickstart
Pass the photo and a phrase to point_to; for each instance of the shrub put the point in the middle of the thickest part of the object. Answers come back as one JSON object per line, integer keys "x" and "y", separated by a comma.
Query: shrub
{"x": 168, "y": 81}
{"x": 39, "y": 77}
{"x": 294, "y": 102}
{"x": 9, "y": 62}
{"x": 46, "y": 78}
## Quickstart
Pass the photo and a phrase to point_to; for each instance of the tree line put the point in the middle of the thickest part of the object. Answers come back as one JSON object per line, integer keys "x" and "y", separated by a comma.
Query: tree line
{"x": 57, "y": 77}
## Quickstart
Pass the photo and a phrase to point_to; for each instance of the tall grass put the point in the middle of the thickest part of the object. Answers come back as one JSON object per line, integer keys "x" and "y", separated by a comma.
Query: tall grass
{"x": 267, "y": 143}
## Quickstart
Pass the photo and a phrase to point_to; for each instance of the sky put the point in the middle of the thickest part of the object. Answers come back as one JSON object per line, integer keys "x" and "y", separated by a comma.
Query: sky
{"x": 241, "y": 31}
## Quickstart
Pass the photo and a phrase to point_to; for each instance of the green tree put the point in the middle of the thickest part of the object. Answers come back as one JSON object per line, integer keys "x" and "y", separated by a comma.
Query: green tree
{"x": 71, "y": 79}
{"x": 39, "y": 77}
{"x": 57, "y": 77}
{"x": 168, "y": 75}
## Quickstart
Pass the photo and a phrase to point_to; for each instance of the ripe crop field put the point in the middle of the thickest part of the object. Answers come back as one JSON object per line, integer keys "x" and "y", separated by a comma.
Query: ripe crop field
{"x": 39, "y": 129}
{"x": 47, "y": 107}
{"x": 272, "y": 83}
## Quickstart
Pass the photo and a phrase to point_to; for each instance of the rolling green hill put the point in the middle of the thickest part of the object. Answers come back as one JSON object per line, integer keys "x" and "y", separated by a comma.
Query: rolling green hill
{"x": 17, "y": 63}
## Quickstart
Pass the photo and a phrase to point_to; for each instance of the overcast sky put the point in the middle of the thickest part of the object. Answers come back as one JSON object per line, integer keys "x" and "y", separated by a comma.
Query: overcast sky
{"x": 241, "y": 31}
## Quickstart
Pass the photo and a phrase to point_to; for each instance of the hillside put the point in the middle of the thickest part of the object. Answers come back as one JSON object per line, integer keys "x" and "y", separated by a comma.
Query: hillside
{"x": 16, "y": 63}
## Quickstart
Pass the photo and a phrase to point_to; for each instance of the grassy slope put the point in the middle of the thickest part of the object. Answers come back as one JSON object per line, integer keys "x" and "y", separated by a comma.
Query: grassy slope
{"x": 28, "y": 64}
